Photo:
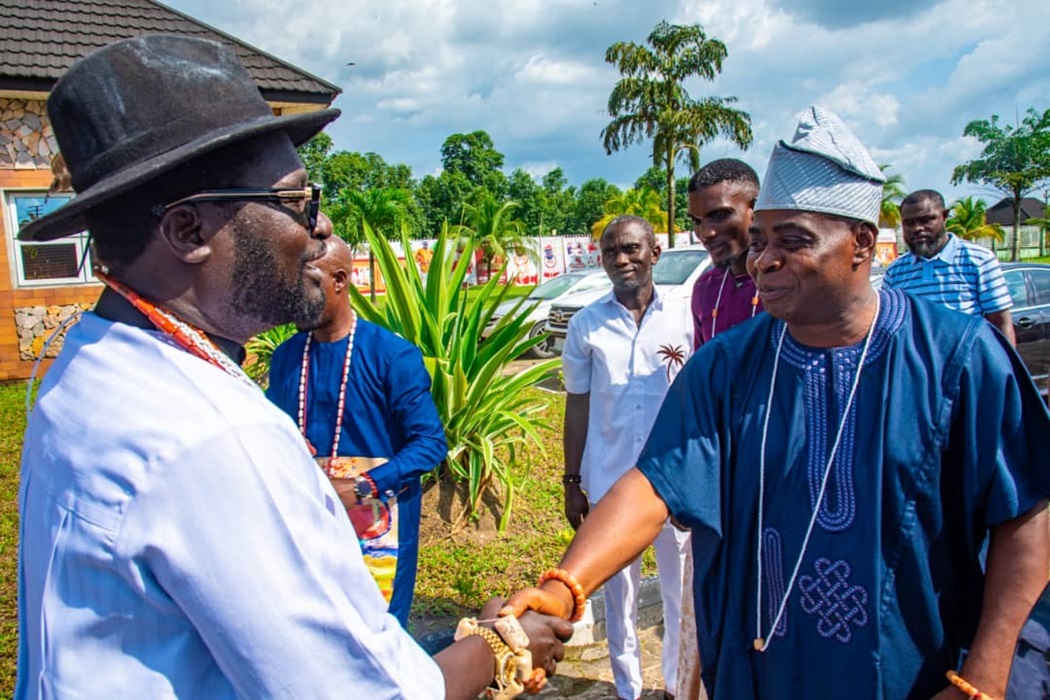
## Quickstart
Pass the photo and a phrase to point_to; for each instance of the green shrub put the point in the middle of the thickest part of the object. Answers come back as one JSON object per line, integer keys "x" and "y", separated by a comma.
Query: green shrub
{"x": 260, "y": 352}
{"x": 487, "y": 415}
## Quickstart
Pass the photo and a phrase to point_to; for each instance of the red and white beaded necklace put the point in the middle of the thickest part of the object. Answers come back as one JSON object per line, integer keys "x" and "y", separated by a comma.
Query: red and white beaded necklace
{"x": 187, "y": 336}
{"x": 304, "y": 376}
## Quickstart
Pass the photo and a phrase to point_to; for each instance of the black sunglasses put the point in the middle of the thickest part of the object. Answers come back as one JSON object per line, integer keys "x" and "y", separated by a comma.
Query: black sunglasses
{"x": 311, "y": 193}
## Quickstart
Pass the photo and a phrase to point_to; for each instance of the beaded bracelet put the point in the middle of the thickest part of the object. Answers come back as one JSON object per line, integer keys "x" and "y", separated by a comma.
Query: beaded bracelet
{"x": 579, "y": 599}
{"x": 966, "y": 687}
{"x": 571, "y": 479}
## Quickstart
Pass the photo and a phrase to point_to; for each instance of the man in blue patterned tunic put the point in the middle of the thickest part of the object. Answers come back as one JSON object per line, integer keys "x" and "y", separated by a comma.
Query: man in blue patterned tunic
{"x": 840, "y": 462}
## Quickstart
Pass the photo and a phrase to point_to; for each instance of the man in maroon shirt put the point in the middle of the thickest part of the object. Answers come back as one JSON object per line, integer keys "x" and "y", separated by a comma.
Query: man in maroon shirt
{"x": 721, "y": 196}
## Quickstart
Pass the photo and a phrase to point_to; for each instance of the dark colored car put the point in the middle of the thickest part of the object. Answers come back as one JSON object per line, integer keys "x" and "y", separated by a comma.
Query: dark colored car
{"x": 1029, "y": 285}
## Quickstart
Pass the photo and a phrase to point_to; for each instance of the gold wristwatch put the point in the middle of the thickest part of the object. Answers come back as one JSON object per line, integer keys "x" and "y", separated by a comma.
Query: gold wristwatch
{"x": 506, "y": 683}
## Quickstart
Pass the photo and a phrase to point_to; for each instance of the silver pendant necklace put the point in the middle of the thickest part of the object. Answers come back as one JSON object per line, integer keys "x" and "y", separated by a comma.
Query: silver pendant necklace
{"x": 762, "y": 643}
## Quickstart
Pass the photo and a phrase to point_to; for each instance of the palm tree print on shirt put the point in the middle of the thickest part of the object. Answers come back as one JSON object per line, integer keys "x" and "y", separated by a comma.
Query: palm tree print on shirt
{"x": 674, "y": 357}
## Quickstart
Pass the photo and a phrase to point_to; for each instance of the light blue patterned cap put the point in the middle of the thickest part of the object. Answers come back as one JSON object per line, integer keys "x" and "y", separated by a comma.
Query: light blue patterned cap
{"x": 824, "y": 169}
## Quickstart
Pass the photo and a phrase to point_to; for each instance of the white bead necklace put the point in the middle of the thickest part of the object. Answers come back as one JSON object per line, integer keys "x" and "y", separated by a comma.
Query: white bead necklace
{"x": 761, "y": 643}
{"x": 718, "y": 302}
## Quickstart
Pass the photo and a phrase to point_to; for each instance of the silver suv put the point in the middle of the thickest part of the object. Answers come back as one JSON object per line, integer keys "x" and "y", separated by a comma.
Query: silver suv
{"x": 675, "y": 274}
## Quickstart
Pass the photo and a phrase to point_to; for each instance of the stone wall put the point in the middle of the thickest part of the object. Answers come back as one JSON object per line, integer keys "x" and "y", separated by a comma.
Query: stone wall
{"x": 35, "y": 324}
{"x": 26, "y": 139}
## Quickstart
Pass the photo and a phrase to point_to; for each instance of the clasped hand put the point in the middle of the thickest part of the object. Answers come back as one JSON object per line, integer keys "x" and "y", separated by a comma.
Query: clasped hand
{"x": 547, "y": 634}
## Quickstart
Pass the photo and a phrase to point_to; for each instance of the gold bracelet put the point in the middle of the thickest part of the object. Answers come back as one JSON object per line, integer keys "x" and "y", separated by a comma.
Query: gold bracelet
{"x": 506, "y": 679}
{"x": 966, "y": 687}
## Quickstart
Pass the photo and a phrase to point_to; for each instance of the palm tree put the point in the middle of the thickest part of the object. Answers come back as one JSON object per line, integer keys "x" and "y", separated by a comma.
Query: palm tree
{"x": 650, "y": 100}
{"x": 492, "y": 226}
{"x": 643, "y": 202}
{"x": 892, "y": 195}
{"x": 967, "y": 220}
{"x": 384, "y": 209}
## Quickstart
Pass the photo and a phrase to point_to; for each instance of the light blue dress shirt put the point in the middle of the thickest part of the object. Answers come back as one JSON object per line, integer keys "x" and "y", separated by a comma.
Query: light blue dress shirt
{"x": 178, "y": 541}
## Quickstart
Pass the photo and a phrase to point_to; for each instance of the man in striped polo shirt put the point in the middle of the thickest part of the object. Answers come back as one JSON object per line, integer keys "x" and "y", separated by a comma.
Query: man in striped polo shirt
{"x": 945, "y": 269}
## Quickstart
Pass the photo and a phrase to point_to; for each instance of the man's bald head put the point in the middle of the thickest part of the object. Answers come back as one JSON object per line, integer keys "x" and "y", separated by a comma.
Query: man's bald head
{"x": 337, "y": 256}
{"x": 336, "y": 266}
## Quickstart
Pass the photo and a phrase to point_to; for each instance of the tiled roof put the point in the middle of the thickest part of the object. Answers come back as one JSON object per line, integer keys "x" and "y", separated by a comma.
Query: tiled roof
{"x": 1003, "y": 211}
{"x": 40, "y": 39}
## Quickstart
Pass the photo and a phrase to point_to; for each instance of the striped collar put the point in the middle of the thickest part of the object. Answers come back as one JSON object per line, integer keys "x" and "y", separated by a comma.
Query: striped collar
{"x": 946, "y": 255}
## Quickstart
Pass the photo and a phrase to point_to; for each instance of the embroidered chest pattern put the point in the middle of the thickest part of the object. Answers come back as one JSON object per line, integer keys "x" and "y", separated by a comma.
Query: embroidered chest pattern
{"x": 839, "y": 506}
{"x": 838, "y": 605}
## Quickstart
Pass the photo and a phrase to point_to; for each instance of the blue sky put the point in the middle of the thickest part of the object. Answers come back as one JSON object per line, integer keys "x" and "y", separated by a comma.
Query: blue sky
{"x": 906, "y": 76}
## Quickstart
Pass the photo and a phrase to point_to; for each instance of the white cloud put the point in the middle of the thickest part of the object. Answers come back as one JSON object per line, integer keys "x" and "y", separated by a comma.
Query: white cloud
{"x": 538, "y": 170}
{"x": 542, "y": 69}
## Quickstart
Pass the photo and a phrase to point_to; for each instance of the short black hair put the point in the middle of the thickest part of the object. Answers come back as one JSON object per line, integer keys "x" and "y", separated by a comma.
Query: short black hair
{"x": 724, "y": 170}
{"x": 122, "y": 228}
{"x": 632, "y": 219}
{"x": 919, "y": 196}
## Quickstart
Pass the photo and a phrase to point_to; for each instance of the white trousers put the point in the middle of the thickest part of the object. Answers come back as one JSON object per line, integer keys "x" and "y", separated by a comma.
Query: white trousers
{"x": 621, "y": 614}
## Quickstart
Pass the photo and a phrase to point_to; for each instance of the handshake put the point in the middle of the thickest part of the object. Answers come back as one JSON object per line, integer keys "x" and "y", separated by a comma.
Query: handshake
{"x": 524, "y": 635}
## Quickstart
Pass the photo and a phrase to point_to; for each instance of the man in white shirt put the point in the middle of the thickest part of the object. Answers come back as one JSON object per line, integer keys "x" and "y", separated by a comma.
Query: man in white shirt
{"x": 177, "y": 538}
{"x": 621, "y": 354}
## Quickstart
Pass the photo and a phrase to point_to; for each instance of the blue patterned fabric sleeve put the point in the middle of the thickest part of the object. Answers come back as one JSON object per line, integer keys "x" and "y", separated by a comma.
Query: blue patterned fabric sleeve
{"x": 999, "y": 431}
{"x": 682, "y": 458}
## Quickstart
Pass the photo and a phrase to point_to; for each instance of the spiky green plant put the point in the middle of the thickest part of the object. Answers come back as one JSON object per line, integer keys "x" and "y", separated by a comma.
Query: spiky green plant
{"x": 260, "y": 351}
{"x": 487, "y": 416}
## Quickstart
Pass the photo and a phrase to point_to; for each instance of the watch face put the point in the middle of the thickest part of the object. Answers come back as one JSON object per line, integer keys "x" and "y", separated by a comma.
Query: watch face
{"x": 507, "y": 668}
{"x": 363, "y": 488}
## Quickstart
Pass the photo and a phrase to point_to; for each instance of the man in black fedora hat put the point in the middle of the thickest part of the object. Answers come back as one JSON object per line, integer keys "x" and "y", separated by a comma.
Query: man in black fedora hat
{"x": 177, "y": 539}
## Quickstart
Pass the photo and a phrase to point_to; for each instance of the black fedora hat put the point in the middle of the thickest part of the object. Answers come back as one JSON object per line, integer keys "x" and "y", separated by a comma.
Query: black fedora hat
{"x": 138, "y": 108}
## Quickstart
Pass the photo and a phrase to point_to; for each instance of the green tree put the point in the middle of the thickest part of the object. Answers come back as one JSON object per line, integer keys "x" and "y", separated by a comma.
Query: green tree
{"x": 384, "y": 210}
{"x": 523, "y": 189}
{"x": 967, "y": 220}
{"x": 313, "y": 154}
{"x": 654, "y": 178}
{"x": 557, "y": 199}
{"x": 491, "y": 225}
{"x": 441, "y": 198}
{"x": 363, "y": 171}
{"x": 636, "y": 202}
{"x": 1015, "y": 160}
{"x": 475, "y": 156}
{"x": 650, "y": 100}
{"x": 589, "y": 205}
{"x": 892, "y": 195}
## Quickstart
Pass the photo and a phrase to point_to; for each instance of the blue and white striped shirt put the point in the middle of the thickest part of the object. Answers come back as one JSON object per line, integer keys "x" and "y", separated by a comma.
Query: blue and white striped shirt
{"x": 963, "y": 276}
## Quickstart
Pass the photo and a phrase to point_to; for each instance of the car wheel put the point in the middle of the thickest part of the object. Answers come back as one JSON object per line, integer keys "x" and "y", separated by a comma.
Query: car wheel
{"x": 545, "y": 349}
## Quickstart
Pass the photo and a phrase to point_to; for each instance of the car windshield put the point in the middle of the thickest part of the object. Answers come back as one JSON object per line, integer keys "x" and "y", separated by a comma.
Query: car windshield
{"x": 675, "y": 267}
{"x": 555, "y": 287}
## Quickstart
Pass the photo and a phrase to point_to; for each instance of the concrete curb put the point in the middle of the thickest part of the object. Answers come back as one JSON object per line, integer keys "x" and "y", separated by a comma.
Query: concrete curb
{"x": 591, "y": 629}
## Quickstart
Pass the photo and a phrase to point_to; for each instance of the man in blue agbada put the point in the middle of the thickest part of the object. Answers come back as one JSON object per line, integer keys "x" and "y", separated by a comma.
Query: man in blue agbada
{"x": 840, "y": 462}
{"x": 361, "y": 397}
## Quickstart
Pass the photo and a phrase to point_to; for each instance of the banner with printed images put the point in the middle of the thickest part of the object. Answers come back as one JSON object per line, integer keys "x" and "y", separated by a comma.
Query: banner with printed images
{"x": 542, "y": 259}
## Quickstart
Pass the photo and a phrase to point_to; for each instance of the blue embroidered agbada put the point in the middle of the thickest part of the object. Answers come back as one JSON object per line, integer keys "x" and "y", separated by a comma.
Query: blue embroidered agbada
{"x": 946, "y": 437}
{"x": 388, "y": 413}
